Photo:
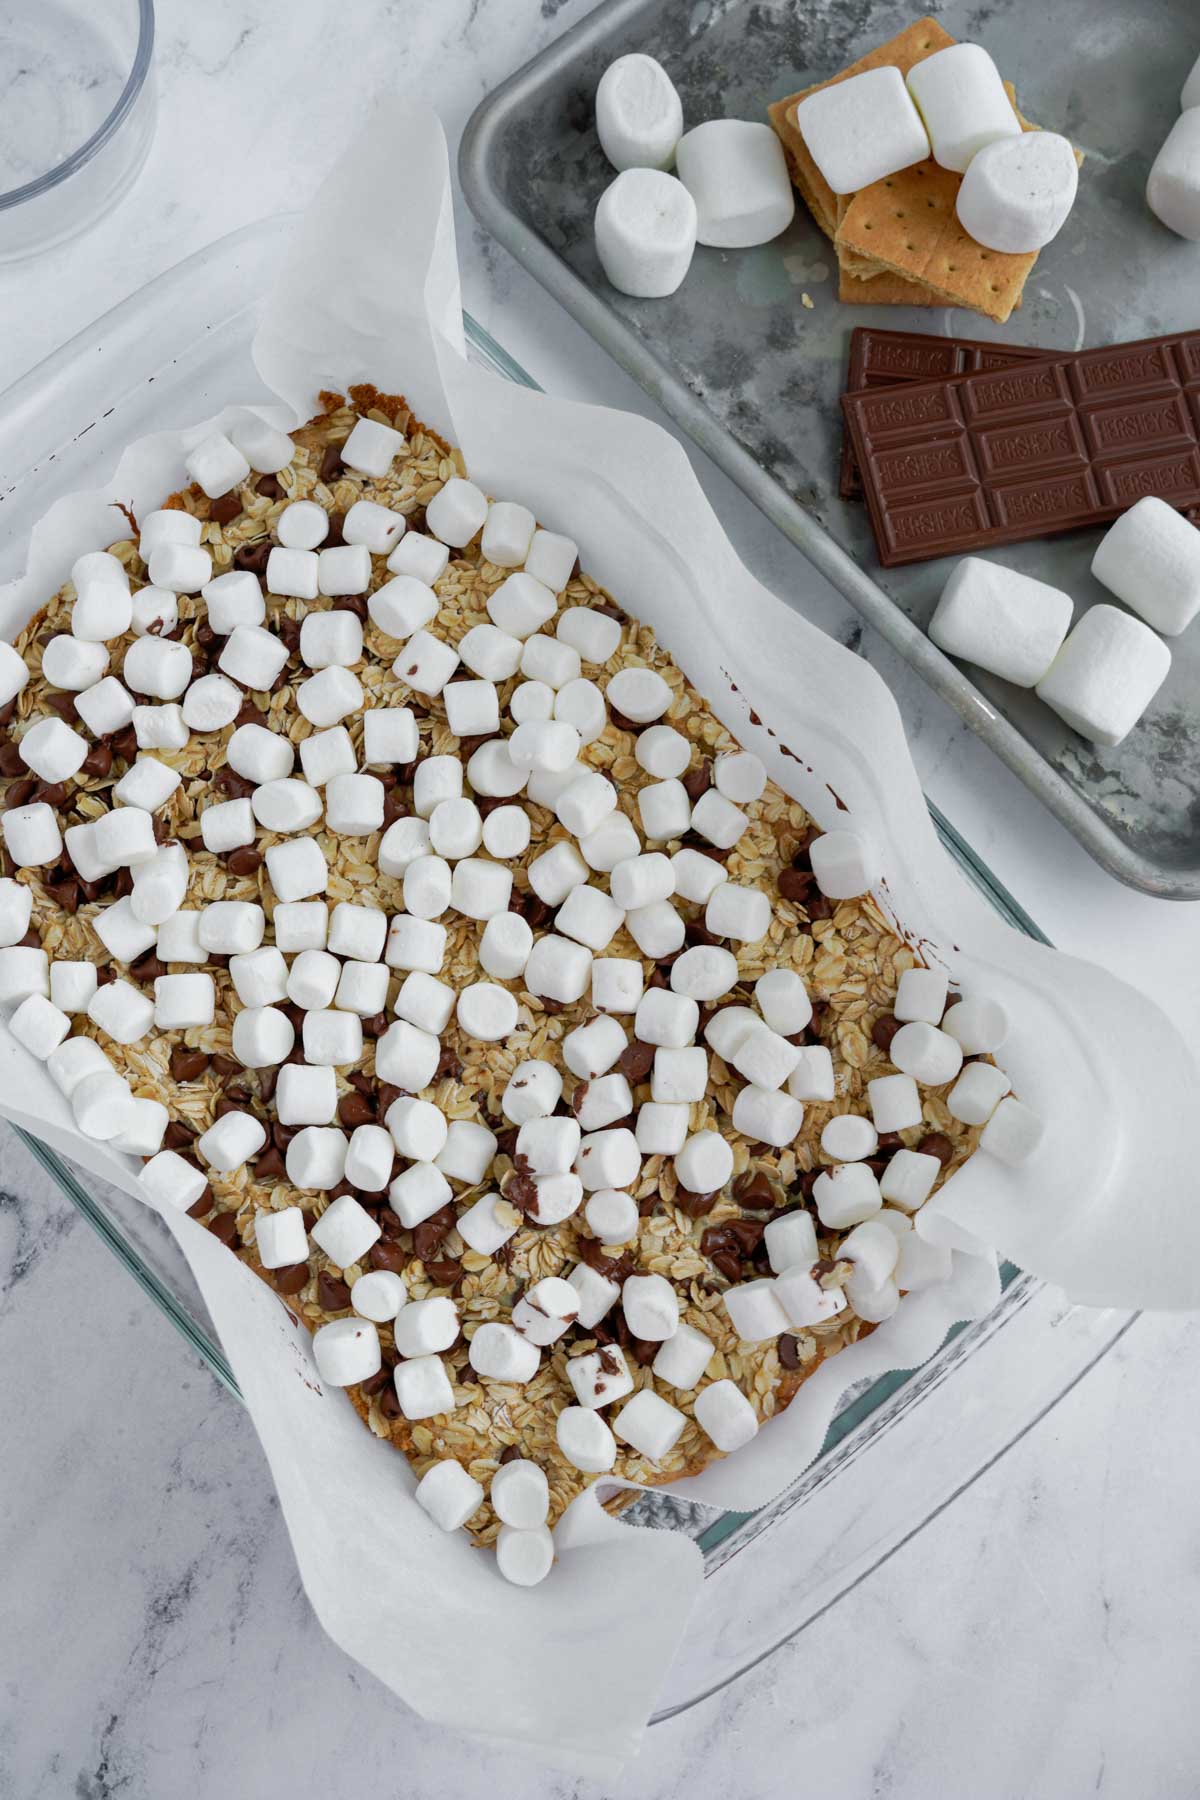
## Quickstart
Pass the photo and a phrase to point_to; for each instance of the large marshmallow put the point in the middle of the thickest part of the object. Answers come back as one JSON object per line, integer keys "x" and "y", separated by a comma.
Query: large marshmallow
{"x": 860, "y": 130}
{"x": 1017, "y": 192}
{"x": 639, "y": 115}
{"x": 645, "y": 233}
{"x": 736, "y": 172}
{"x": 1003, "y": 621}
{"x": 1150, "y": 559}
{"x": 963, "y": 104}
{"x": 1105, "y": 675}
{"x": 1173, "y": 187}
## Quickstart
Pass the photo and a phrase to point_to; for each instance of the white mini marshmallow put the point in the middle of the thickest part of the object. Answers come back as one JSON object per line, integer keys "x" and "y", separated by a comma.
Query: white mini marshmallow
{"x": 402, "y": 606}
{"x": 554, "y": 873}
{"x": 872, "y": 1304}
{"x": 346, "y": 1351}
{"x": 764, "y": 1057}
{"x": 354, "y": 805}
{"x": 209, "y": 705}
{"x": 641, "y": 881}
{"x": 260, "y": 976}
{"x": 280, "y": 1238}
{"x": 122, "y": 1011}
{"x": 147, "y": 783}
{"x": 331, "y": 639}
{"x": 362, "y": 988}
{"x": 184, "y": 1001}
{"x": 791, "y": 1242}
{"x": 380, "y": 1294}
{"x": 783, "y": 1001}
{"x": 585, "y": 803}
{"x": 177, "y": 567}
{"x": 697, "y": 877}
{"x": 122, "y": 933}
{"x": 585, "y": 1440}
{"x": 492, "y": 772}
{"x": 217, "y": 465}
{"x": 963, "y": 105}
{"x": 533, "y": 1091}
{"x": 845, "y": 864}
{"x": 78, "y": 1057}
{"x": 426, "y": 663}
{"x": 645, "y": 230}
{"x": 930, "y": 1056}
{"x": 16, "y": 909}
{"x": 165, "y": 727}
{"x": 597, "y": 1295}
{"x": 104, "y": 611}
{"x": 977, "y": 1093}
{"x": 437, "y": 778}
{"x": 123, "y": 839}
{"x": 1173, "y": 187}
{"x": 754, "y": 1311}
{"x": 505, "y": 945}
{"x": 407, "y": 1056}
{"x": 679, "y": 1075}
{"x": 69, "y": 662}
{"x": 377, "y": 528}
{"x": 423, "y": 1387}
{"x": 549, "y": 660}
{"x": 72, "y": 985}
{"x": 545, "y": 1312}
{"x": 145, "y": 1135}
{"x": 683, "y": 1358}
{"x": 740, "y": 913}
{"x": 590, "y": 917}
{"x": 506, "y": 832}
{"x": 159, "y": 885}
{"x": 39, "y": 1025}
{"x": 293, "y": 573}
{"x": 404, "y": 842}
{"x": 507, "y": 534}
{"x": 312, "y": 980}
{"x": 106, "y": 707}
{"x": 428, "y": 885}
{"x": 549, "y": 744}
{"x": 609, "y": 1159}
{"x": 301, "y": 925}
{"x": 846, "y": 1195}
{"x": 725, "y": 1415}
{"x": 1012, "y": 1134}
{"x": 661, "y": 1127}
{"x": 178, "y": 939}
{"x": 446, "y": 1491}
{"x": 104, "y": 1108}
{"x": 524, "y": 1557}
{"x": 617, "y": 985}
{"x": 231, "y": 926}
{"x": 425, "y": 1327}
{"x": 736, "y": 172}
{"x": 895, "y": 1103}
{"x": 168, "y": 1179}
{"x": 558, "y": 969}
{"x": 389, "y": 736}
{"x": 666, "y": 1019}
{"x": 705, "y": 1163}
{"x": 468, "y": 1151}
{"x": 499, "y": 1353}
{"x": 848, "y": 1137}
{"x": 601, "y": 1376}
{"x": 161, "y": 668}
{"x": 260, "y": 755}
{"x": 641, "y": 694}
{"x": 302, "y": 525}
{"x": 169, "y": 526}
{"x": 329, "y": 696}
{"x": 1018, "y": 191}
{"x": 457, "y": 512}
{"x": 551, "y": 559}
{"x": 663, "y": 752}
{"x": 472, "y": 708}
{"x": 234, "y": 1138}
{"x": 418, "y": 555}
{"x": 862, "y": 129}
{"x": 234, "y": 599}
{"x": 920, "y": 995}
{"x": 490, "y": 653}
{"x": 767, "y": 1115}
{"x": 1106, "y": 674}
{"x": 612, "y": 1216}
{"x": 639, "y": 115}
{"x": 371, "y": 448}
{"x": 486, "y": 1013}
{"x": 531, "y": 700}
{"x": 908, "y": 1180}
{"x": 346, "y": 1230}
{"x": 920, "y": 1264}
{"x": 487, "y": 1225}
{"x": 285, "y": 806}
{"x": 651, "y": 1307}
{"x": 425, "y": 1002}
{"x": 602, "y": 1101}
{"x": 52, "y": 750}
{"x": 718, "y": 819}
{"x": 297, "y": 869}
{"x": 594, "y": 634}
{"x": 264, "y": 448}
{"x": 980, "y": 1025}
{"x": 1150, "y": 559}
{"x": 592, "y": 1049}
{"x": 262, "y": 1036}
{"x": 1001, "y": 620}
{"x": 804, "y": 1300}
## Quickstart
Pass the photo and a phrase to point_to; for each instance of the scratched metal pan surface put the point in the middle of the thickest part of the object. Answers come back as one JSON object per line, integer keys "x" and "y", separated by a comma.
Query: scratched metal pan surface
{"x": 753, "y": 373}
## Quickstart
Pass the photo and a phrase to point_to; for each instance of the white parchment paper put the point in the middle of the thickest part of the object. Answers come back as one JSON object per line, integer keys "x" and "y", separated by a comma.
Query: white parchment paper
{"x": 571, "y": 1669}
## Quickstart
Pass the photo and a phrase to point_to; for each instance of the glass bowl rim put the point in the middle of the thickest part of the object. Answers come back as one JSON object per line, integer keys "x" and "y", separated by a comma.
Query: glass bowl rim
{"x": 83, "y": 153}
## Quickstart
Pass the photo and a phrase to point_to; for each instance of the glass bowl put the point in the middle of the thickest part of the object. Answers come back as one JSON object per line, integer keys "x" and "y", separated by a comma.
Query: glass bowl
{"x": 77, "y": 111}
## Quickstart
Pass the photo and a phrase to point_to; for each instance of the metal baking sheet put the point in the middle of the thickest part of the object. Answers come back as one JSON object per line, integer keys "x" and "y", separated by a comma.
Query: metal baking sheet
{"x": 753, "y": 370}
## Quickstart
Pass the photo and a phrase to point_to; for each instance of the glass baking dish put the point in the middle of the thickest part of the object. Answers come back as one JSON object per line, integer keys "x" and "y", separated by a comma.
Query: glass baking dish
{"x": 898, "y": 1452}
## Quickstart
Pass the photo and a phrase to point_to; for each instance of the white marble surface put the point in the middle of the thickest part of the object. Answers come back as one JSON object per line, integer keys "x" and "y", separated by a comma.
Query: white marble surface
{"x": 1034, "y": 1641}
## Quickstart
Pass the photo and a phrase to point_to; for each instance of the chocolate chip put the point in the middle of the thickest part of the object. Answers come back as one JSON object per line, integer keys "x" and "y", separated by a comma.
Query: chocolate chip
{"x": 291, "y": 1278}
{"x": 446, "y": 1273}
{"x": 883, "y": 1031}
{"x": 233, "y": 784}
{"x": 225, "y": 1227}
{"x": 65, "y": 894}
{"x": 354, "y": 1110}
{"x": 225, "y": 510}
{"x": 98, "y": 762}
{"x": 753, "y": 1192}
{"x": 794, "y": 884}
{"x": 697, "y": 781}
{"x": 818, "y": 908}
{"x": 332, "y": 1292}
{"x": 788, "y": 1349}
{"x": 20, "y": 793}
{"x": 11, "y": 761}
{"x": 246, "y": 860}
{"x": 394, "y": 807}
{"x": 333, "y": 535}
{"x": 124, "y": 744}
{"x": 622, "y": 723}
{"x": 225, "y": 1066}
{"x": 431, "y": 1233}
{"x": 694, "y": 1206}
{"x": 636, "y": 1061}
{"x": 389, "y": 1402}
{"x": 200, "y": 1209}
{"x": 31, "y": 940}
{"x": 330, "y": 464}
{"x": 510, "y": 1453}
{"x": 178, "y": 1136}
{"x": 8, "y": 711}
{"x": 147, "y": 968}
{"x": 698, "y": 933}
{"x": 64, "y": 706}
{"x": 253, "y": 556}
{"x": 269, "y": 1166}
{"x": 248, "y": 713}
{"x": 936, "y": 1143}
{"x": 385, "y": 1255}
{"x": 375, "y": 1025}
{"x": 227, "y": 1104}
{"x": 269, "y": 487}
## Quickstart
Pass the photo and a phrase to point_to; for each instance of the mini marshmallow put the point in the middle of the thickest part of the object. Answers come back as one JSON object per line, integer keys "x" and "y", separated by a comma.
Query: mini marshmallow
{"x": 1150, "y": 559}
{"x": 487, "y": 1225}
{"x": 558, "y": 969}
{"x": 531, "y": 700}
{"x": 234, "y": 1138}
{"x": 262, "y": 1037}
{"x": 1001, "y": 620}
{"x": 217, "y": 465}
{"x": 288, "y": 805}
{"x": 234, "y": 599}
{"x": 697, "y": 877}
{"x": 472, "y": 708}
{"x": 122, "y": 1011}
{"x": 145, "y": 1135}
{"x": 380, "y": 1294}
{"x": 603, "y": 1101}
{"x": 72, "y": 1061}
{"x": 617, "y": 985}
{"x": 585, "y": 803}
{"x": 68, "y": 662}
{"x": 52, "y": 750}
{"x": 402, "y": 606}
{"x": 590, "y": 917}
{"x": 979, "y": 1025}
{"x": 1012, "y": 1134}
{"x": 666, "y": 1019}
{"x": 122, "y": 839}
{"x": 346, "y": 1230}
{"x": 425, "y": 663}
{"x": 612, "y": 1216}
{"x": 848, "y": 1137}
{"x": 551, "y": 559}
{"x": 873, "y": 1248}
{"x": 457, "y": 512}
{"x": 39, "y": 1025}
{"x": 845, "y": 864}
{"x": 705, "y": 1163}
{"x": 301, "y": 925}
{"x": 403, "y": 843}
{"x": 609, "y": 1159}
{"x": 651, "y": 1307}
{"x": 804, "y": 1300}
{"x": 280, "y": 1238}
{"x": 297, "y": 868}
{"x": 327, "y": 697}
{"x": 520, "y": 606}
{"x": 597, "y": 1295}
{"x": 174, "y": 566}
{"x": 592, "y": 1049}
{"x": 754, "y": 1311}
{"x": 354, "y": 805}
{"x": 161, "y": 668}
{"x": 407, "y": 1056}
{"x": 147, "y": 783}
{"x": 661, "y": 1127}
{"x": 437, "y": 778}
{"x": 977, "y": 1093}
{"x": 260, "y": 976}
{"x": 105, "y": 708}
{"x": 428, "y": 886}
{"x": 507, "y": 534}
{"x": 209, "y": 705}
{"x": 645, "y": 231}
{"x": 740, "y": 913}
{"x": 159, "y": 885}
{"x": 767, "y": 1115}
{"x": 920, "y": 995}
{"x": 486, "y": 1013}
{"x": 930, "y": 1056}
{"x": 594, "y": 634}
{"x": 259, "y": 755}
{"x": 331, "y": 639}
{"x": 860, "y": 130}
{"x": 492, "y": 772}
{"x": 554, "y": 873}
{"x": 377, "y": 528}
{"x": 585, "y": 1440}
{"x": 346, "y": 1351}
{"x": 545, "y": 1312}
{"x": 169, "y": 526}
{"x": 549, "y": 660}
{"x": 1173, "y": 188}
{"x": 446, "y": 1492}
{"x": 524, "y": 1557}
{"x": 641, "y": 881}
{"x": 104, "y": 611}
{"x": 265, "y": 449}
{"x": 357, "y": 931}
{"x": 725, "y": 1415}
{"x": 506, "y": 832}
{"x": 468, "y": 1151}
{"x": 908, "y": 1179}
{"x": 740, "y": 776}
{"x": 846, "y": 1195}
{"x": 640, "y": 694}
{"x": 165, "y": 727}
{"x": 895, "y": 1103}
{"x": 167, "y": 1179}
{"x": 418, "y": 1128}
{"x": 679, "y": 1075}
{"x": 335, "y": 1038}
{"x": 184, "y": 1001}
{"x": 423, "y": 1387}
{"x": 783, "y": 1001}
{"x": 920, "y": 1264}
{"x": 499, "y": 1353}
{"x": 1018, "y": 191}
{"x": 178, "y": 939}
{"x": 964, "y": 106}
{"x": 872, "y": 1304}
{"x": 683, "y": 1358}
{"x": 534, "y": 1090}
{"x": 122, "y": 933}
{"x": 324, "y": 754}
{"x": 312, "y": 980}
{"x": 72, "y": 985}
{"x": 548, "y": 744}
{"x": 639, "y": 115}
{"x": 16, "y": 909}
{"x": 302, "y": 525}
{"x": 505, "y": 945}
{"x": 417, "y": 555}
{"x": 104, "y": 1108}
{"x": 371, "y": 448}
{"x": 718, "y": 819}
{"x": 425, "y": 1327}
{"x": 293, "y": 573}
{"x": 764, "y": 1057}
{"x": 601, "y": 1376}
{"x": 791, "y": 1242}
{"x": 491, "y": 654}
{"x": 229, "y": 927}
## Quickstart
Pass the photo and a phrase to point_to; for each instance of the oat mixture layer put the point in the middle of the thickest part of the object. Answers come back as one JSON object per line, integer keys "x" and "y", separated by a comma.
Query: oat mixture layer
{"x": 847, "y": 953}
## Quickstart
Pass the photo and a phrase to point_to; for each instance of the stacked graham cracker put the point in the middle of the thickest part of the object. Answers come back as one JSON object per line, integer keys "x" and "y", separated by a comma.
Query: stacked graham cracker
{"x": 899, "y": 242}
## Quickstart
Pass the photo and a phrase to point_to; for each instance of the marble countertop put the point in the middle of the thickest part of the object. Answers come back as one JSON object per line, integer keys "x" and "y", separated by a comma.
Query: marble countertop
{"x": 1034, "y": 1640}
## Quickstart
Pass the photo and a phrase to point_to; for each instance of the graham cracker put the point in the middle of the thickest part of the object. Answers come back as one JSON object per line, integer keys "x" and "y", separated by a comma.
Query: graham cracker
{"x": 884, "y": 289}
